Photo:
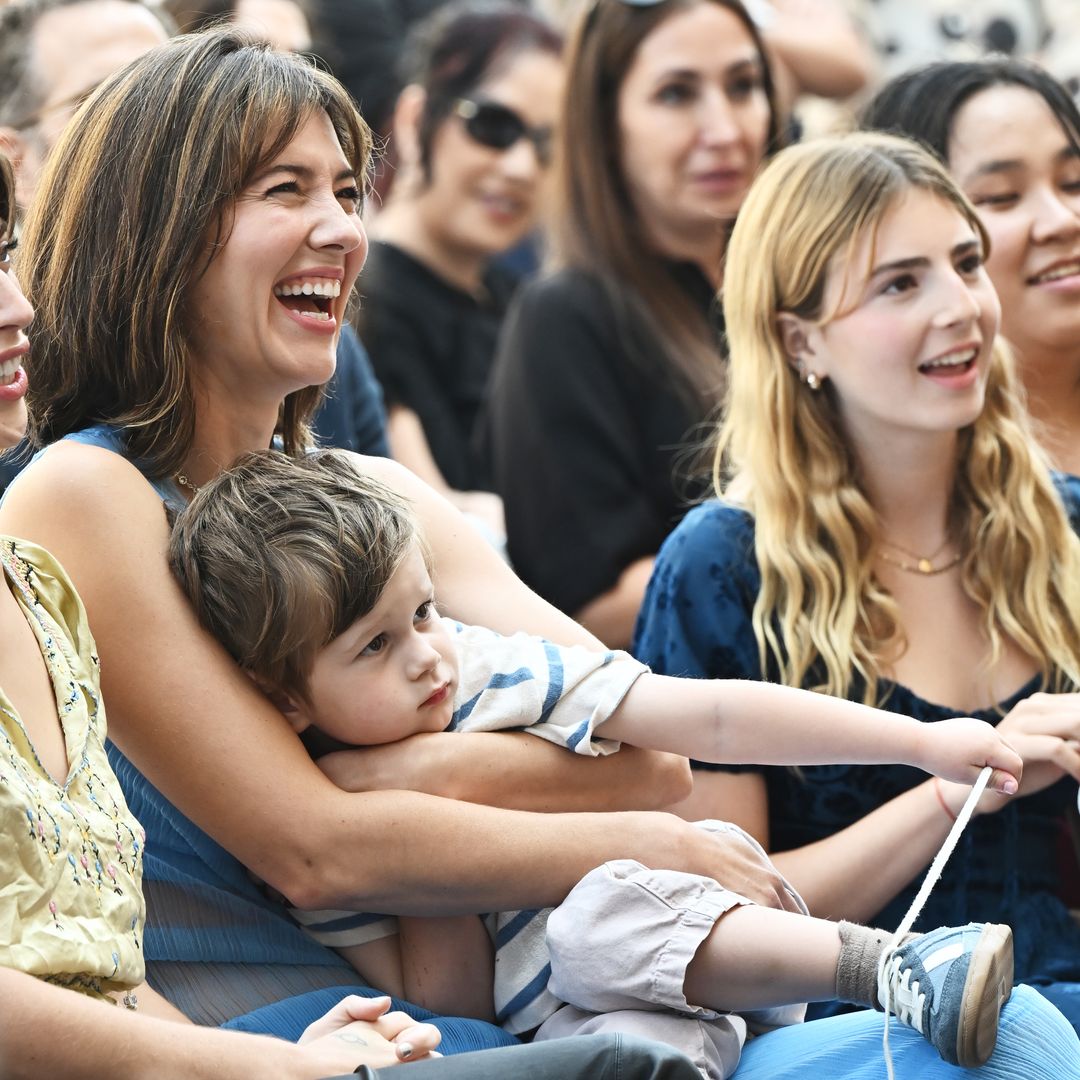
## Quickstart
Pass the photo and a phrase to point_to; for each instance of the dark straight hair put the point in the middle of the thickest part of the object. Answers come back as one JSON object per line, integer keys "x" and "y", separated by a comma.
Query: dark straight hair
{"x": 597, "y": 227}
{"x": 7, "y": 199}
{"x": 922, "y": 104}
{"x": 134, "y": 201}
{"x": 458, "y": 47}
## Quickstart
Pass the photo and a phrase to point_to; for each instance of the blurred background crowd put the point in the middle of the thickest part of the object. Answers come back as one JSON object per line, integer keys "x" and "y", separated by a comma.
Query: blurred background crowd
{"x": 570, "y": 407}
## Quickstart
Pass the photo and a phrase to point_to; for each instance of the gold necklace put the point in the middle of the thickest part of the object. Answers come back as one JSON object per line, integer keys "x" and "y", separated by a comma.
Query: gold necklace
{"x": 922, "y": 565}
{"x": 183, "y": 481}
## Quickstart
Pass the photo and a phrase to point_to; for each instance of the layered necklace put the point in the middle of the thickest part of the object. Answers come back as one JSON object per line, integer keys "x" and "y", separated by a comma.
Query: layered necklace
{"x": 913, "y": 563}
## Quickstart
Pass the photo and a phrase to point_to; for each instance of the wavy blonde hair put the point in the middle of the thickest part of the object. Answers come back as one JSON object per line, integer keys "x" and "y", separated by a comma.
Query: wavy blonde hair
{"x": 821, "y": 616}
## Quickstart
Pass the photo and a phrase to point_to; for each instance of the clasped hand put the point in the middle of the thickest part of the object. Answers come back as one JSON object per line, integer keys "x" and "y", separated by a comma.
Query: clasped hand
{"x": 361, "y": 1031}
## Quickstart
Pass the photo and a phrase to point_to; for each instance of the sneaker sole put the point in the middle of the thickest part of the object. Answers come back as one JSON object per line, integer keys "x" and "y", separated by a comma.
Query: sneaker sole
{"x": 986, "y": 989}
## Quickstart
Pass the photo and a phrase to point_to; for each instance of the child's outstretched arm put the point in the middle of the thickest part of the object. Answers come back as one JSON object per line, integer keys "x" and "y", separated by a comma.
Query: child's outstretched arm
{"x": 735, "y": 721}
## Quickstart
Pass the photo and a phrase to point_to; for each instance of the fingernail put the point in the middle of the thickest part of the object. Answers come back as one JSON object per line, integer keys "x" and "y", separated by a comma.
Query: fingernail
{"x": 1010, "y": 787}
{"x": 405, "y": 1051}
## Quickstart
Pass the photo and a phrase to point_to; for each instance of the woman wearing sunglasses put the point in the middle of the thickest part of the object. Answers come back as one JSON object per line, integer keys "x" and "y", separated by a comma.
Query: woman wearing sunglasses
{"x": 607, "y": 364}
{"x": 473, "y": 134}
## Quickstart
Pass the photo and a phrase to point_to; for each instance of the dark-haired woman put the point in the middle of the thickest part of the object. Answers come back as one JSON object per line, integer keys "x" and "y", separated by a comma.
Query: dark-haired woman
{"x": 473, "y": 135}
{"x": 71, "y": 901}
{"x": 1010, "y": 134}
{"x": 607, "y": 365}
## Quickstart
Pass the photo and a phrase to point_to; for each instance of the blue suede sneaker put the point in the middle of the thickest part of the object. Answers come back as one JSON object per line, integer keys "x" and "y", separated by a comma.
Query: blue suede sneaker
{"x": 950, "y": 985}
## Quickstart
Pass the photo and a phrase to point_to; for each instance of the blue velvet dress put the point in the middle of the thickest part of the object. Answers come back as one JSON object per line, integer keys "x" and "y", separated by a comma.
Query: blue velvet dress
{"x": 696, "y": 621}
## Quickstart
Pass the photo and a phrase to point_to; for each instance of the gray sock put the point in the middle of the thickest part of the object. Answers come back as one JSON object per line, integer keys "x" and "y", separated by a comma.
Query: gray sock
{"x": 857, "y": 970}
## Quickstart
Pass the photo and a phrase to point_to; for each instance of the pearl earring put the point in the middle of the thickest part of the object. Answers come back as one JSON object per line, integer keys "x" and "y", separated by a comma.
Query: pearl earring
{"x": 813, "y": 381}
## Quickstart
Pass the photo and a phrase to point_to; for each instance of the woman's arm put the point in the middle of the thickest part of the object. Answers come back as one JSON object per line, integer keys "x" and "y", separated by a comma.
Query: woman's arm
{"x": 844, "y": 876}
{"x": 817, "y": 45}
{"x": 47, "y": 1031}
{"x": 215, "y": 747}
{"x": 611, "y": 615}
{"x": 514, "y": 770}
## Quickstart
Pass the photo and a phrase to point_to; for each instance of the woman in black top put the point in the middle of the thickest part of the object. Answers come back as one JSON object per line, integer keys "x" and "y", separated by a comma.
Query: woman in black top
{"x": 607, "y": 365}
{"x": 472, "y": 132}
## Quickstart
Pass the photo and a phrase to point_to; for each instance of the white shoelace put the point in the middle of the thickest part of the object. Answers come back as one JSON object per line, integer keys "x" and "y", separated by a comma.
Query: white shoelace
{"x": 931, "y": 879}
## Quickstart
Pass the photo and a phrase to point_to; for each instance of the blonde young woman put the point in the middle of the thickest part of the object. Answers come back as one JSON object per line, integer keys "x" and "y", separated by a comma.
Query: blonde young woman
{"x": 887, "y": 531}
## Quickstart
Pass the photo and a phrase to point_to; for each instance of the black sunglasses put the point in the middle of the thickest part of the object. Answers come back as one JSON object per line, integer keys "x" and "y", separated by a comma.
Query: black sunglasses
{"x": 500, "y": 127}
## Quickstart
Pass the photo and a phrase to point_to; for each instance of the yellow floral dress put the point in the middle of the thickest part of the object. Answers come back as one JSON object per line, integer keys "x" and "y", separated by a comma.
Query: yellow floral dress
{"x": 71, "y": 903}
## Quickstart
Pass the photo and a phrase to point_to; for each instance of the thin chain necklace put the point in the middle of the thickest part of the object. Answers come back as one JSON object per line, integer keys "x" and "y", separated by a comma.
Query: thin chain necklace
{"x": 183, "y": 481}
{"x": 922, "y": 564}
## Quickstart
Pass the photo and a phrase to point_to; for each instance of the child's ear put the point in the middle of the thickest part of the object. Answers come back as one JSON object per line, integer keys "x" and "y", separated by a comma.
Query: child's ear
{"x": 285, "y": 703}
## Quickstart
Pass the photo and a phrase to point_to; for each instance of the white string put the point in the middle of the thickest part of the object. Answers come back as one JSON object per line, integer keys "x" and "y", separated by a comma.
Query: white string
{"x": 931, "y": 879}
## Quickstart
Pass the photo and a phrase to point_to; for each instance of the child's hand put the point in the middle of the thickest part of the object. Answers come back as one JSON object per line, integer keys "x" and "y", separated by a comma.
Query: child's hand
{"x": 961, "y": 748}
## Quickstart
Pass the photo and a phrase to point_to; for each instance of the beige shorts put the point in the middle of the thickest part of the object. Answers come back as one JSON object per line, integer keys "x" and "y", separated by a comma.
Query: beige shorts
{"x": 620, "y": 945}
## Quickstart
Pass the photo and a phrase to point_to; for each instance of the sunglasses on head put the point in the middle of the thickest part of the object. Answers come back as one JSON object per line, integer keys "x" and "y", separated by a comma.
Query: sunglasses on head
{"x": 499, "y": 127}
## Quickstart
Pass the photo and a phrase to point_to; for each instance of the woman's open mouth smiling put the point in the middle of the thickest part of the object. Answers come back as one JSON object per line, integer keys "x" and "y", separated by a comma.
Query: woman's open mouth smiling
{"x": 309, "y": 299}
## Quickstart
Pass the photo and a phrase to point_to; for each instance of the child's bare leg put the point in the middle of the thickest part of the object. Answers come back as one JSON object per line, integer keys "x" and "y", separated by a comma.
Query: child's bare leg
{"x": 448, "y": 965}
{"x": 378, "y": 963}
{"x": 756, "y": 958}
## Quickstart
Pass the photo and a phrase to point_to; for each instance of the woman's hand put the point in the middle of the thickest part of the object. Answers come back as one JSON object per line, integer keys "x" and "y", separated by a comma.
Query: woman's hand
{"x": 959, "y": 749}
{"x": 360, "y": 1031}
{"x": 1044, "y": 729}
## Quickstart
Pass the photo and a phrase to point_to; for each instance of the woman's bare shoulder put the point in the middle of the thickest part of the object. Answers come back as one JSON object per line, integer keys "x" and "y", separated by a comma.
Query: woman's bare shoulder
{"x": 83, "y": 502}
{"x": 79, "y": 475}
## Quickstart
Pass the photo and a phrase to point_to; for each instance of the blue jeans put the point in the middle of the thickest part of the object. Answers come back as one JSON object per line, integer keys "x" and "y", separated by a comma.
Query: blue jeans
{"x": 1034, "y": 1041}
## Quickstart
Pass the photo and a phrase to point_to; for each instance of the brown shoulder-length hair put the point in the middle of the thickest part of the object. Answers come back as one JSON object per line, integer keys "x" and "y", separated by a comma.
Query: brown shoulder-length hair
{"x": 134, "y": 202}
{"x": 597, "y": 228}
